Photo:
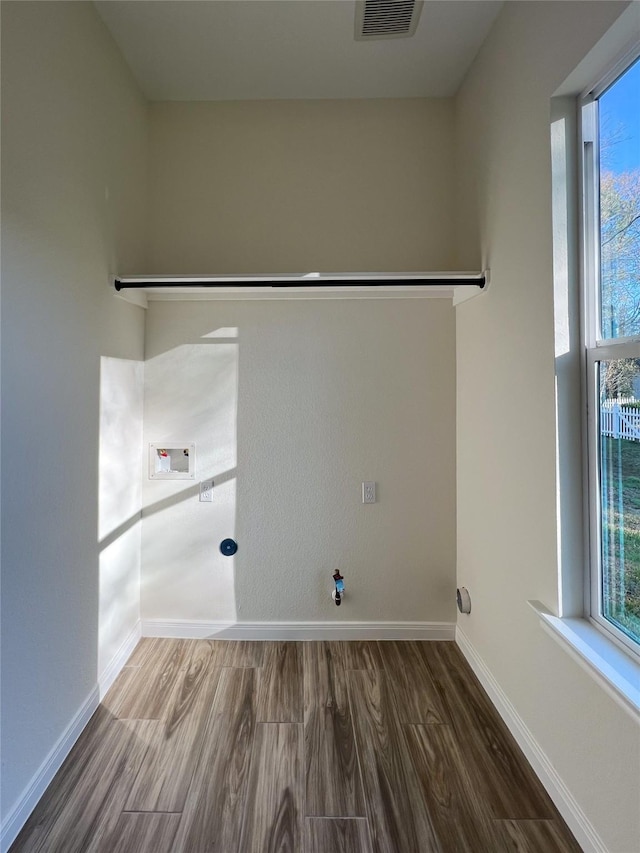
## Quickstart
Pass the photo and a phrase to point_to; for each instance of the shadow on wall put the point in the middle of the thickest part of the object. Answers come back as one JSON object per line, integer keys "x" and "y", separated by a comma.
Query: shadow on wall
{"x": 184, "y": 494}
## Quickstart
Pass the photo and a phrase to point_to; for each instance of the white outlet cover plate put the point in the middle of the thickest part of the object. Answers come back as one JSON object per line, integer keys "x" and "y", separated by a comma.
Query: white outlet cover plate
{"x": 206, "y": 491}
{"x": 368, "y": 492}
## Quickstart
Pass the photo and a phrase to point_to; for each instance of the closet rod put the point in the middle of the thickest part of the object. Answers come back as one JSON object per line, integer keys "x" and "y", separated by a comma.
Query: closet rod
{"x": 196, "y": 281}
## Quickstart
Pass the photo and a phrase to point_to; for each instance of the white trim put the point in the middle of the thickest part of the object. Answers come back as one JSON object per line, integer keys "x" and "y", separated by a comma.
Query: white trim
{"x": 184, "y": 629}
{"x": 597, "y": 351}
{"x": 18, "y": 814}
{"x": 615, "y": 343}
{"x": 567, "y": 805}
{"x": 299, "y": 630}
{"x": 624, "y": 61}
{"x": 135, "y": 297}
{"x": 269, "y": 286}
{"x": 464, "y": 293}
{"x": 303, "y": 278}
{"x": 291, "y": 293}
{"x": 113, "y": 668}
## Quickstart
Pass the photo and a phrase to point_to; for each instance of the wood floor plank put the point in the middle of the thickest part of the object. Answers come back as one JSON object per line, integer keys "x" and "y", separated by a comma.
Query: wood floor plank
{"x": 495, "y": 762}
{"x": 280, "y": 684}
{"x": 273, "y": 814}
{"x": 88, "y": 806}
{"x": 336, "y": 835}
{"x": 241, "y": 653}
{"x": 332, "y": 776}
{"x": 216, "y": 649}
{"x": 143, "y": 833}
{"x": 68, "y": 777}
{"x": 165, "y": 775}
{"x": 359, "y": 654}
{"x": 146, "y": 648}
{"x": 123, "y": 686}
{"x": 154, "y": 683}
{"x": 459, "y": 786}
{"x": 417, "y": 697}
{"x": 459, "y": 817}
{"x": 212, "y": 815}
{"x": 536, "y": 836}
{"x": 398, "y": 818}
{"x": 142, "y": 734}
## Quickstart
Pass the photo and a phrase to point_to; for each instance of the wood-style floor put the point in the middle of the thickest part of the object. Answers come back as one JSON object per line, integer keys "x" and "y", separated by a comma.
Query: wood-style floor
{"x": 315, "y": 747}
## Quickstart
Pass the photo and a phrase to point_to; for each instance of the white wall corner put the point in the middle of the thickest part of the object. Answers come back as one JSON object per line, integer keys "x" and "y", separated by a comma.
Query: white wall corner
{"x": 113, "y": 668}
{"x": 299, "y": 630}
{"x": 19, "y": 813}
{"x": 565, "y": 802}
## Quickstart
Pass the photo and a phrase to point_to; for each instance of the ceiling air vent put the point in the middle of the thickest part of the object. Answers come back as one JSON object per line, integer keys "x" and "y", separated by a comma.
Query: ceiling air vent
{"x": 386, "y": 19}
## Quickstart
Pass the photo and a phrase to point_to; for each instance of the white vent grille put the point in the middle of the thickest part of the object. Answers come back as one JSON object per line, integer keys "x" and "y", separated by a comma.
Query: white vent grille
{"x": 386, "y": 19}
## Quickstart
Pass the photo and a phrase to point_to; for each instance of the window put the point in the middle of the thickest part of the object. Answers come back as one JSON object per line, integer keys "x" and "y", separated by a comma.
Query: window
{"x": 611, "y": 229}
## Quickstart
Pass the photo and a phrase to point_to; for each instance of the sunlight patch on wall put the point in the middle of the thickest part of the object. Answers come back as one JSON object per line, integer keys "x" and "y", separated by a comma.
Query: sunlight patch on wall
{"x": 224, "y": 332}
{"x": 119, "y": 502}
{"x": 191, "y": 395}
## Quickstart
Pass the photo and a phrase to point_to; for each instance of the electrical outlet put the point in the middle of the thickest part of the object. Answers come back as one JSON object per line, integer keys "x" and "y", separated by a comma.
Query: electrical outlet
{"x": 368, "y": 493}
{"x": 206, "y": 491}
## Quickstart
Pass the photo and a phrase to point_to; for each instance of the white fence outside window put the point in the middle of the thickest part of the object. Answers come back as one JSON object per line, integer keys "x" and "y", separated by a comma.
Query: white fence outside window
{"x": 620, "y": 419}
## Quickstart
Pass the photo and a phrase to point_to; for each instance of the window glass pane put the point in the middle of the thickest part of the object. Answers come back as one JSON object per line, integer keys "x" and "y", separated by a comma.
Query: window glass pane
{"x": 619, "y": 137}
{"x": 620, "y": 493}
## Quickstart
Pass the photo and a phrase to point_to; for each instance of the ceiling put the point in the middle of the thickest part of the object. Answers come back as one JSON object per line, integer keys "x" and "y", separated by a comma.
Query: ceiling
{"x": 181, "y": 50}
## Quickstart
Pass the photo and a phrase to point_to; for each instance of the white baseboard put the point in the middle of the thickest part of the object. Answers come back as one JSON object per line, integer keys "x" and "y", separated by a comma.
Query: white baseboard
{"x": 113, "y": 668}
{"x": 299, "y": 630}
{"x": 26, "y": 803}
{"x": 565, "y": 802}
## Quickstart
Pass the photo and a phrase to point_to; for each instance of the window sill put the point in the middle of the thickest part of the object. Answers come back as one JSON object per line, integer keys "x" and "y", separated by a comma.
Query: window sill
{"x": 607, "y": 664}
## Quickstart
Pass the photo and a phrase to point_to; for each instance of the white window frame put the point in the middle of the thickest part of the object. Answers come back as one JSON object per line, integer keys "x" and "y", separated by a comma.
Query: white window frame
{"x": 595, "y": 348}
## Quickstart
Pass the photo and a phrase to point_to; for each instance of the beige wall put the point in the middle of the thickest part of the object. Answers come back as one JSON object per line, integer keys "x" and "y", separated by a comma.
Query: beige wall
{"x": 506, "y": 456}
{"x": 297, "y": 186}
{"x": 324, "y": 395}
{"x": 74, "y": 138}
{"x": 327, "y": 394}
